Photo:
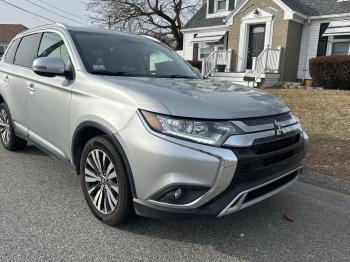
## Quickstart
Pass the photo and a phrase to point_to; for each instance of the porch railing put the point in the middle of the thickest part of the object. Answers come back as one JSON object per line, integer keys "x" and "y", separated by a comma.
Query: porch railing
{"x": 215, "y": 59}
{"x": 267, "y": 62}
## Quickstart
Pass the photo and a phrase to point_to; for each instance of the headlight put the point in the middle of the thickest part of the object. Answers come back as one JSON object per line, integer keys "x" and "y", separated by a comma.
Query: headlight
{"x": 205, "y": 132}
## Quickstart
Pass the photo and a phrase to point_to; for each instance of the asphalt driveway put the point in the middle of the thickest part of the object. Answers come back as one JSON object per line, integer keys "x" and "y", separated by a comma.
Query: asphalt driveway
{"x": 43, "y": 216}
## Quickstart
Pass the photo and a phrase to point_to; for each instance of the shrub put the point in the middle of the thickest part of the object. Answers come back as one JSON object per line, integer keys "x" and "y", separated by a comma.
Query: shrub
{"x": 331, "y": 72}
{"x": 196, "y": 63}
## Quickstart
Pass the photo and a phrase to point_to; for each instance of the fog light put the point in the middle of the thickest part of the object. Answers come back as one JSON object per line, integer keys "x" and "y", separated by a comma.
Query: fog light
{"x": 180, "y": 195}
{"x": 172, "y": 195}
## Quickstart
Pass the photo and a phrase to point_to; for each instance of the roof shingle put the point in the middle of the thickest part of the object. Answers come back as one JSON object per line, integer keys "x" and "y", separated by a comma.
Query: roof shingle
{"x": 318, "y": 7}
{"x": 200, "y": 20}
{"x": 306, "y": 7}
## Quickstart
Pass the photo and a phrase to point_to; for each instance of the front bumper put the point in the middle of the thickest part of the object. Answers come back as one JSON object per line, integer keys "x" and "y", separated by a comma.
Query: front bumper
{"x": 228, "y": 203}
{"x": 237, "y": 175}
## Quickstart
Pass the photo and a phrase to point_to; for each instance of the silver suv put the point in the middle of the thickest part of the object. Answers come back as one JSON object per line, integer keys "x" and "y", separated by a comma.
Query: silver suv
{"x": 144, "y": 130}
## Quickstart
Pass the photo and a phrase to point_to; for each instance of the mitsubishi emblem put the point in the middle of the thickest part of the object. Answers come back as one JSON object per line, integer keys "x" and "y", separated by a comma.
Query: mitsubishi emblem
{"x": 278, "y": 129}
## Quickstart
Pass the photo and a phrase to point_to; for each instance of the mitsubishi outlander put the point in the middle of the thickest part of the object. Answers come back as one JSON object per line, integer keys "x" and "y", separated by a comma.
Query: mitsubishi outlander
{"x": 146, "y": 133}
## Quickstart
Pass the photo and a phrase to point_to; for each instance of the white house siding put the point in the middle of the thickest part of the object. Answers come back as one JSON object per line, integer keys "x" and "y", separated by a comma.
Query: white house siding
{"x": 189, "y": 36}
{"x": 309, "y": 46}
{"x": 304, "y": 50}
{"x": 188, "y": 46}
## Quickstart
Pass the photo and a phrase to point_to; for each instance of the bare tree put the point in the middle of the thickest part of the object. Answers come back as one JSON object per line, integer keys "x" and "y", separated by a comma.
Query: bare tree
{"x": 162, "y": 19}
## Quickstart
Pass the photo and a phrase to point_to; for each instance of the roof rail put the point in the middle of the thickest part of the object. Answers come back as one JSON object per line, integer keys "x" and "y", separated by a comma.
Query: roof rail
{"x": 62, "y": 25}
{"x": 150, "y": 37}
{"x": 43, "y": 26}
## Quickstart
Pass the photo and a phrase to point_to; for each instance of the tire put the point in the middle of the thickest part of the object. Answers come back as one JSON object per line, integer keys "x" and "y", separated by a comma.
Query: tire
{"x": 105, "y": 182}
{"x": 7, "y": 133}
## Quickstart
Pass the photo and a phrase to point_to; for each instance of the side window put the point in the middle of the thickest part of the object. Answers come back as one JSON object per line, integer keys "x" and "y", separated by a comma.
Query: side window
{"x": 10, "y": 55}
{"x": 24, "y": 55}
{"x": 52, "y": 45}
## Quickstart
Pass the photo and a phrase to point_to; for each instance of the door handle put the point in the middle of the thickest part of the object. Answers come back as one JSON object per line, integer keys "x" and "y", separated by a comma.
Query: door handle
{"x": 6, "y": 78}
{"x": 31, "y": 88}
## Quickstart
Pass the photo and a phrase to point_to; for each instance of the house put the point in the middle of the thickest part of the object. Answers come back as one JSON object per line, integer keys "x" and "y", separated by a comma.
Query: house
{"x": 7, "y": 32}
{"x": 266, "y": 41}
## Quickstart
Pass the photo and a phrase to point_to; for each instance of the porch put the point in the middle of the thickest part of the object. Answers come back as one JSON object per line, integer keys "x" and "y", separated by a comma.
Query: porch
{"x": 264, "y": 69}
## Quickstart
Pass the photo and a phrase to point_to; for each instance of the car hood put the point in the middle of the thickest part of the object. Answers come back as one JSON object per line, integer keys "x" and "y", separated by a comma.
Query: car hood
{"x": 204, "y": 98}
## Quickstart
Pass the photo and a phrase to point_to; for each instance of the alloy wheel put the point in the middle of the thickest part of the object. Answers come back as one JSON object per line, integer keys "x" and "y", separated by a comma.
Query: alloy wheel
{"x": 4, "y": 127}
{"x": 101, "y": 181}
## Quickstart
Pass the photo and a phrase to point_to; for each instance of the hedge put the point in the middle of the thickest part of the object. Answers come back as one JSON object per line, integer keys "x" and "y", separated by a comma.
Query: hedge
{"x": 196, "y": 63}
{"x": 331, "y": 72}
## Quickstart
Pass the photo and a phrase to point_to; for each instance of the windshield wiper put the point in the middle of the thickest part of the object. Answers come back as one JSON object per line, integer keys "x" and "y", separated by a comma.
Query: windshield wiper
{"x": 109, "y": 73}
{"x": 179, "y": 76}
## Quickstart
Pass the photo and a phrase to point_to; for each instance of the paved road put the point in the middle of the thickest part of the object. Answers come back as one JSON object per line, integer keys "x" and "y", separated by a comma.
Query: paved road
{"x": 43, "y": 216}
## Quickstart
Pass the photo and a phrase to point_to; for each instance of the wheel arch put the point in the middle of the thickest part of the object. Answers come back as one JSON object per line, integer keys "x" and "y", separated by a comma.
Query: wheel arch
{"x": 89, "y": 129}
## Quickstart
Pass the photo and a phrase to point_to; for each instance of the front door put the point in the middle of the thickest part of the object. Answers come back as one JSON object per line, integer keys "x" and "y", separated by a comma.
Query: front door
{"x": 256, "y": 43}
{"x": 49, "y": 100}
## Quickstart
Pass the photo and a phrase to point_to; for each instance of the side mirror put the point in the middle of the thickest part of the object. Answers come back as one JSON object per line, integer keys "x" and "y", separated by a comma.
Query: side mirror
{"x": 49, "y": 66}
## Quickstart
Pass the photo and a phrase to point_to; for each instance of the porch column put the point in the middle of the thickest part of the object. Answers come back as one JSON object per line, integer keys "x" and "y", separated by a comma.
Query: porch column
{"x": 254, "y": 63}
{"x": 229, "y": 60}
{"x": 215, "y": 59}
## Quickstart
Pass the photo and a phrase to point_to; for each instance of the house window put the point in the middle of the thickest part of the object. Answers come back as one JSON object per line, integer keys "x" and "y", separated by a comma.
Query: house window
{"x": 341, "y": 48}
{"x": 341, "y": 45}
{"x": 205, "y": 49}
{"x": 221, "y": 5}
{"x": 2, "y": 49}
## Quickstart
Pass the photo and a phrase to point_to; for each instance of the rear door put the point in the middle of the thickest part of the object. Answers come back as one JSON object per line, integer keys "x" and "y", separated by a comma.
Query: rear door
{"x": 17, "y": 68}
{"x": 49, "y": 100}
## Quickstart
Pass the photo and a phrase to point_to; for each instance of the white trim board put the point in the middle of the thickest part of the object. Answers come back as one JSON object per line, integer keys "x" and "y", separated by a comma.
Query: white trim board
{"x": 247, "y": 21}
{"x": 289, "y": 14}
{"x": 187, "y": 30}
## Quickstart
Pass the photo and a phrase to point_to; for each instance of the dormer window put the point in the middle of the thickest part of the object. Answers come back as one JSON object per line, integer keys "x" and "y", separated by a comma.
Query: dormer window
{"x": 221, "y": 5}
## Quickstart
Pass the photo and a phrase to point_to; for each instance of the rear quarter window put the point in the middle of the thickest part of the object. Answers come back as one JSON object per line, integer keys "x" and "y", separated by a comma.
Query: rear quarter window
{"x": 11, "y": 52}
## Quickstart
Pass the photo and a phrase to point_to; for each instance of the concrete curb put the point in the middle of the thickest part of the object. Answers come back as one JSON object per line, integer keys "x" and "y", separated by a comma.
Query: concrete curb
{"x": 327, "y": 182}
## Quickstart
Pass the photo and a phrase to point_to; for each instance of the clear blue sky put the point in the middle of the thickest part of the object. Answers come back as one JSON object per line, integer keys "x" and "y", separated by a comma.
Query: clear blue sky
{"x": 10, "y": 15}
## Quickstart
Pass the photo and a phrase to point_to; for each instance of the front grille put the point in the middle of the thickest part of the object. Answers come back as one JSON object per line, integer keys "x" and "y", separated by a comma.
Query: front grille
{"x": 278, "y": 158}
{"x": 266, "y": 120}
{"x": 275, "y": 145}
{"x": 262, "y": 162}
{"x": 268, "y": 139}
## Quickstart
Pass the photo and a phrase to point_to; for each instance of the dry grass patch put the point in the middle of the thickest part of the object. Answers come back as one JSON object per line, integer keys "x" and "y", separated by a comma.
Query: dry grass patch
{"x": 325, "y": 114}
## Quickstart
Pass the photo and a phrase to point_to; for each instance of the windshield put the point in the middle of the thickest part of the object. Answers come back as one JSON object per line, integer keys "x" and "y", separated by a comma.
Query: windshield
{"x": 128, "y": 55}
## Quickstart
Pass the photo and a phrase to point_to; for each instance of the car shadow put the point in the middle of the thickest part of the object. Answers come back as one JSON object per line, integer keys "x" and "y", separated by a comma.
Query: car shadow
{"x": 32, "y": 150}
{"x": 238, "y": 235}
